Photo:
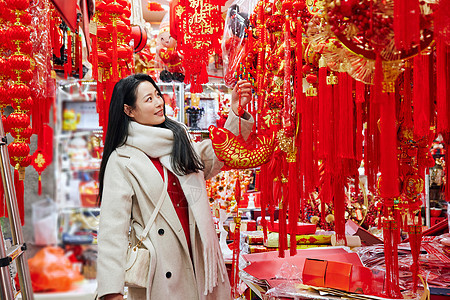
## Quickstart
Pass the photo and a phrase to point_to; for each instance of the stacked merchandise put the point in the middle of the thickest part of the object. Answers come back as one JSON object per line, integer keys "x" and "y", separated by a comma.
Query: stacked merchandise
{"x": 253, "y": 241}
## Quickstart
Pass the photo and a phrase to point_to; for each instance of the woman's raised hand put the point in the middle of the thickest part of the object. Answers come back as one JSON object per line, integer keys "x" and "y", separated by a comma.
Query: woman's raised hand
{"x": 242, "y": 90}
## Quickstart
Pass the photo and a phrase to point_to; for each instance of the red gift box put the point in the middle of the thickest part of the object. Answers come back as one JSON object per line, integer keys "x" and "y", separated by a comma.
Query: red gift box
{"x": 338, "y": 275}
{"x": 361, "y": 281}
{"x": 314, "y": 272}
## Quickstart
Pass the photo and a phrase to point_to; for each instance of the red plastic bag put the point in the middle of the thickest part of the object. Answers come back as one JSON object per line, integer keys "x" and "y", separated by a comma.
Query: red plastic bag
{"x": 50, "y": 270}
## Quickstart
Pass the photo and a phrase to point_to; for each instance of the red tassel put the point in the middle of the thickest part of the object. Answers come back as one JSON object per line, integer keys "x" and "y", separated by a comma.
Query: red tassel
{"x": 345, "y": 118}
{"x": 339, "y": 212}
{"x": 286, "y": 113}
{"x": 406, "y": 23}
{"x": 388, "y": 148}
{"x": 39, "y": 185}
{"x": 237, "y": 191}
{"x": 264, "y": 179}
{"x": 235, "y": 261}
{"x": 324, "y": 121}
{"x": 94, "y": 59}
{"x": 378, "y": 79}
{"x": 115, "y": 56}
{"x": 442, "y": 68}
{"x": 387, "y": 255}
{"x": 300, "y": 97}
{"x": 359, "y": 131}
{"x": 68, "y": 64}
{"x": 293, "y": 206}
{"x": 18, "y": 185}
{"x": 80, "y": 57}
{"x": 421, "y": 95}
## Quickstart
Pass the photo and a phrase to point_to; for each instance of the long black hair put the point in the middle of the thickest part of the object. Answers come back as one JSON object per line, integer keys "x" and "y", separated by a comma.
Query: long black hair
{"x": 184, "y": 159}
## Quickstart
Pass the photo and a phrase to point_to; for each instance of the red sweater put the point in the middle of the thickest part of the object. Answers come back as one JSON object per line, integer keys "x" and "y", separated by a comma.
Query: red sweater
{"x": 176, "y": 194}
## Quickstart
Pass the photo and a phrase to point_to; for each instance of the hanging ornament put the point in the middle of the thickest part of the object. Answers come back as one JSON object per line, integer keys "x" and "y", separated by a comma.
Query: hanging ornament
{"x": 238, "y": 154}
{"x": 111, "y": 55}
{"x": 200, "y": 27}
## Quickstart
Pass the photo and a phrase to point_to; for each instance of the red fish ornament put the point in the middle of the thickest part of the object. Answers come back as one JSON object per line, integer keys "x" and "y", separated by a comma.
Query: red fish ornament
{"x": 239, "y": 154}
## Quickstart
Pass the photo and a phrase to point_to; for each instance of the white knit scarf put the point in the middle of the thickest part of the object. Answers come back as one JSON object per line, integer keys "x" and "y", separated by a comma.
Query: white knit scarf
{"x": 157, "y": 142}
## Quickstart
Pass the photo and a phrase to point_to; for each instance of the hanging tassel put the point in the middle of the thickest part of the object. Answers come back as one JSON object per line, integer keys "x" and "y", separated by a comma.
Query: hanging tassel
{"x": 359, "y": 123}
{"x": 323, "y": 93}
{"x": 115, "y": 55}
{"x": 264, "y": 179}
{"x": 235, "y": 261}
{"x": 339, "y": 212}
{"x": 237, "y": 190}
{"x": 395, "y": 231}
{"x": 68, "y": 64}
{"x": 19, "y": 188}
{"x": 345, "y": 124}
{"x": 387, "y": 255}
{"x": 388, "y": 148}
{"x": 39, "y": 185}
{"x": 286, "y": 112}
{"x": 94, "y": 56}
{"x": 80, "y": 57}
{"x": 421, "y": 95}
{"x": 293, "y": 205}
{"x": 406, "y": 23}
{"x": 378, "y": 79}
{"x": 283, "y": 206}
{"x": 442, "y": 69}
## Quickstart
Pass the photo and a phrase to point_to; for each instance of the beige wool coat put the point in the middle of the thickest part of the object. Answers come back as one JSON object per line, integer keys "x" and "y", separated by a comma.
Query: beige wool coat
{"x": 132, "y": 188}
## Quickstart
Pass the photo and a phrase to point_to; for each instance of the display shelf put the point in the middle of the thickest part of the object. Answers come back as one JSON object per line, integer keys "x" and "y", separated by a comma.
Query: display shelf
{"x": 85, "y": 290}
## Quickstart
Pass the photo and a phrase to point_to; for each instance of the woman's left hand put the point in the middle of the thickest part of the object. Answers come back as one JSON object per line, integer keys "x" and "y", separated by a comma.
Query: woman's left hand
{"x": 243, "y": 88}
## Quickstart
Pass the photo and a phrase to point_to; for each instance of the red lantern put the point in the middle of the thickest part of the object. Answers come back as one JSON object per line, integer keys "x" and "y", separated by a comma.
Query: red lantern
{"x": 18, "y": 4}
{"x": 139, "y": 36}
{"x": 18, "y": 120}
{"x": 18, "y": 150}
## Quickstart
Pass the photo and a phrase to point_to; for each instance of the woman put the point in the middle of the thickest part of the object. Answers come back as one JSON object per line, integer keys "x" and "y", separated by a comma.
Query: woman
{"x": 141, "y": 143}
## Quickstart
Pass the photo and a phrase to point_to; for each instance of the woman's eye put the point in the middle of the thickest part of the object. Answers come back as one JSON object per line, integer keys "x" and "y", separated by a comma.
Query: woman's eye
{"x": 149, "y": 99}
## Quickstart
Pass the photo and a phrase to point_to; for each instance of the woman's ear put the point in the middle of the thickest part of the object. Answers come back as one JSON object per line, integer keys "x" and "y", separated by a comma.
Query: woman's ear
{"x": 128, "y": 110}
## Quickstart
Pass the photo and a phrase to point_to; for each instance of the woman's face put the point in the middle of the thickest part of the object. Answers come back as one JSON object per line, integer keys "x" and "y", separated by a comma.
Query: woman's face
{"x": 149, "y": 107}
